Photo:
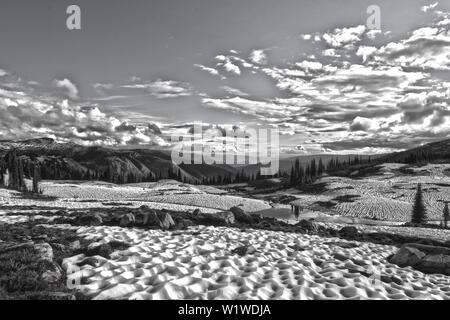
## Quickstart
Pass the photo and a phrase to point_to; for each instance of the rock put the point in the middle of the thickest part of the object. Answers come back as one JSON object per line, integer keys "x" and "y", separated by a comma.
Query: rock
{"x": 75, "y": 245}
{"x": 407, "y": 256}
{"x": 96, "y": 249}
{"x": 228, "y": 216}
{"x": 240, "y": 215}
{"x": 127, "y": 220}
{"x": 166, "y": 221}
{"x": 308, "y": 225}
{"x": 348, "y": 231}
{"x": 211, "y": 219}
{"x": 244, "y": 250}
{"x": 150, "y": 218}
{"x": 436, "y": 263}
{"x": 44, "y": 251}
{"x": 184, "y": 223}
{"x": 91, "y": 261}
{"x": 91, "y": 220}
{"x": 196, "y": 212}
{"x": 256, "y": 217}
{"x": 53, "y": 275}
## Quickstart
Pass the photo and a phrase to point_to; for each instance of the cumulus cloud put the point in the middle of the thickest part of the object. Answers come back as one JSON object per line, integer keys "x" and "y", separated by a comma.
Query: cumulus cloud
{"x": 228, "y": 65}
{"x": 163, "y": 89}
{"x": 258, "y": 56}
{"x": 32, "y": 111}
{"x": 207, "y": 69}
{"x": 69, "y": 88}
{"x": 364, "y": 124}
{"x": 344, "y": 36}
{"x": 356, "y": 89}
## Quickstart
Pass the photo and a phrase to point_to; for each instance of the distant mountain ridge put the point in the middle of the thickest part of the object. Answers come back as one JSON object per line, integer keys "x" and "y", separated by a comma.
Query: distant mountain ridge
{"x": 434, "y": 151}
{"x": 73, "y": 161}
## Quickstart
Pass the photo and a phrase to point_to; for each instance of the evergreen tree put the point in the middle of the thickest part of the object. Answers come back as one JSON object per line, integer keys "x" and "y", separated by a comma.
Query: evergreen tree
{"x": 446, "y": 215}
{"x": 419, "y": 213}
{"x": 36, "y": 177}
{"x": 320, "y": 168}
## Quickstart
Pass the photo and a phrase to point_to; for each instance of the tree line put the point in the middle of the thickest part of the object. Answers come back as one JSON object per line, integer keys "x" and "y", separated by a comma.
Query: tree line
{"x": 17, "y": 169}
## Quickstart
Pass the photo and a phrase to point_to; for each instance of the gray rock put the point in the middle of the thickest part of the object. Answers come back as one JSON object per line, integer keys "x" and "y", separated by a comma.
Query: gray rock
{"x": 75, "y": 245}
{"x": 240, "y": 215}
{"x": 435, "y": 263}
{"x": 407, "y": 256}
{"x": 147, "y": 217}
{"x": 348, "y": 231}
{"x": 425, "y": 258}
{"x": 44, "y": 251}
{"x": 53, "y": 275}
{"x": 91, "y": 220}
{"x": 127, "y": 220}
{"x": 99, "y": 249}
{"x": 166, "y": 221}
{"x": 228, "y": 216}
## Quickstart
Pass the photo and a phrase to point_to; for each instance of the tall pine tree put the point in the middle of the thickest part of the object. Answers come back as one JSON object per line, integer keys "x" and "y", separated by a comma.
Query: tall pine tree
{"x": 419, "y": 213}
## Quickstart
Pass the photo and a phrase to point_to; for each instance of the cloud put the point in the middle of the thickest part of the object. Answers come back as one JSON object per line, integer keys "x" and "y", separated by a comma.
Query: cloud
{"x": 70, "y": 89}
{"x": 207, "y": 69}
{"x": 364, "y": 124}
{"x": 163, "y": 89}
{"x": 234, "y": 91}
{"x": 32, "y": 111}
{"x": 103, "y": 88}
{"x": 429, "y": 7}
{"x": 258, "y": 56}
{"x": 228, "y": 65}
{"x": 340, "y": 37}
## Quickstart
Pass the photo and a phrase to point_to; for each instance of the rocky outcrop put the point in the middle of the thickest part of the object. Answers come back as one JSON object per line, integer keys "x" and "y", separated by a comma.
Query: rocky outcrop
{"x": 428, "y": 259}
{"x": 240, "y": 215}
{"x": 348, "y": 232}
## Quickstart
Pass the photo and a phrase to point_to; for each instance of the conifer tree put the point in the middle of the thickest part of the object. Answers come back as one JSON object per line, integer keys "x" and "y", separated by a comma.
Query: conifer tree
{"x": 419, "y": 213}
{"x": 446, "y": 215}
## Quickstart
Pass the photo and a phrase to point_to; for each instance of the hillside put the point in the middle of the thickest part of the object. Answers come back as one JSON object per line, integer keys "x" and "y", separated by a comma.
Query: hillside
{"x": 435, "y": 151}
{"x": 72, "y": 161}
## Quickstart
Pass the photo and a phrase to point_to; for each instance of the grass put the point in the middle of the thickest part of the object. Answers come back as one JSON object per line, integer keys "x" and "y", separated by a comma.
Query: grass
{"x": 21, "y": 269}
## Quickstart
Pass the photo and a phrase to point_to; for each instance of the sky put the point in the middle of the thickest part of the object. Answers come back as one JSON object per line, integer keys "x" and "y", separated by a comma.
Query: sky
{"x": 138, "y": 72}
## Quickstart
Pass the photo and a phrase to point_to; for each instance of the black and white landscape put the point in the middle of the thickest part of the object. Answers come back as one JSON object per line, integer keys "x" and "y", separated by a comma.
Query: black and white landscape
{"x": 95, "y": 98}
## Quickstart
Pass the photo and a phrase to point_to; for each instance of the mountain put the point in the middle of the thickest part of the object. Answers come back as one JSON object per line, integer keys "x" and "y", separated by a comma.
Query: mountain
{"x": 72, "y": 161}
{"x": 435, "y": 151}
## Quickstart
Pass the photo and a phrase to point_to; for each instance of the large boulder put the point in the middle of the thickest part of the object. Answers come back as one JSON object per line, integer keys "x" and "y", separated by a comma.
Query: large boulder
{"x": 147, "y": 217}
{"x": 216, "y": 219}
{"x": 407, "y": 256}
{"x": 91, "y": 220}
{"x": 348, "y": 231}
{"x": 99, "y": 249}
{"x": 240, "y": 215}
{"x": 127, "y": 220}
{"x": 166, "y": 221}
{"x": 425, "y": 258}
